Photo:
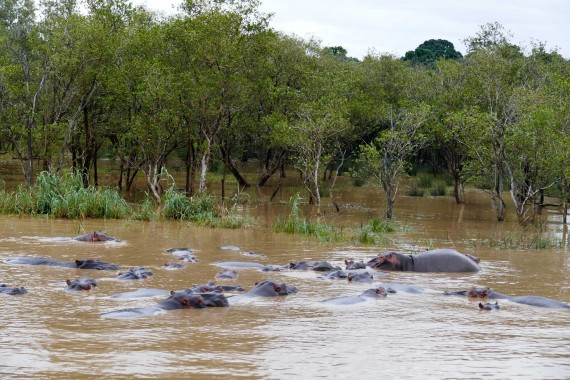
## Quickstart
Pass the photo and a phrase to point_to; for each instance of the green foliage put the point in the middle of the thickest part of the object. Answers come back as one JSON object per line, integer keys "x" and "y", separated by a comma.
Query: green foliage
{"x": 201, "y": 210}
{"x": 416, "y": 191}
{"x": 431, "y": 51}
{"x": 424, "y": 180}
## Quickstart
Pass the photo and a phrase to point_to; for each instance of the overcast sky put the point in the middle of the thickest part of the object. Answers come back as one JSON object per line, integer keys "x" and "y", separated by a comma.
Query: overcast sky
{"x": 396, "y": 26}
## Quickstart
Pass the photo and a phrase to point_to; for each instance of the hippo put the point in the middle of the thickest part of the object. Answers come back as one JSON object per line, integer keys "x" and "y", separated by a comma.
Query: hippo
{"x": 135, "y": 274}
{"x": 439, "y": 260}
{"x": 270, "y": 288}
{"x": 189, "y": 258}
{"x": 95, "y": 236}
{"x": 246, "y": 264}
{"x": 230, "y": 248}
{"x": 376, "y": 293}
{"x": 319, "y": 266}
{"x": 488, "y": 293}
{"x": 95, "y": 264}
{"x": 363, "y": 277}
{"x": 226, "y": 274}
{"x": 180, "y": 251}
{"x": 78, "y": 264}
{"x": 351, "y": 264}
{"x": 82, "y": 283}
{"x": 477, "y": 292}
{"x": 5, "y": 289}
{"x": 401, "y": 288}
{"x": 252, "y": 254}
{"x": 489, "y": 306}
{"x": 185, "y": 254}
{"x": 185, "y": 299}
{"x": 169, "y": 265}
{"x": 212, "y": 287}
{"x": 141, "y": 293}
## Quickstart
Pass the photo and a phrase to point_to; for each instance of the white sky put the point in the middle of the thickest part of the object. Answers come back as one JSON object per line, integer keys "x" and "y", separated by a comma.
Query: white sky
{"x": 397, "y": 26}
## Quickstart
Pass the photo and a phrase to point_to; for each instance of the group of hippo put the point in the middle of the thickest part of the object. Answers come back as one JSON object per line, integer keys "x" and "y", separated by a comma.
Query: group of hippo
{"x": 212, "y": 295}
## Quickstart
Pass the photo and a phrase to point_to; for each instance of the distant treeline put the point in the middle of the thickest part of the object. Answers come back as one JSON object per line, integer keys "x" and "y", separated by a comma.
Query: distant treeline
{"x": 80, "y": 79}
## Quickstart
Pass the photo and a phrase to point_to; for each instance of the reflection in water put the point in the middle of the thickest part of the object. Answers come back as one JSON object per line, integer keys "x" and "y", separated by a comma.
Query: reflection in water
{"x": 52, "y": 334}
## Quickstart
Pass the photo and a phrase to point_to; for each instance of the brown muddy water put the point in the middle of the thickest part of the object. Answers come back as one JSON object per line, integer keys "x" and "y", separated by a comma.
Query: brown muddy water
{"x": 53, "y": 334}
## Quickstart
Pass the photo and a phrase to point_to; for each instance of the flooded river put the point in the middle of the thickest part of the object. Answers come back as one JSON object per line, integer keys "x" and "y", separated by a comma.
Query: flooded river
{"x": 53, "y": 334}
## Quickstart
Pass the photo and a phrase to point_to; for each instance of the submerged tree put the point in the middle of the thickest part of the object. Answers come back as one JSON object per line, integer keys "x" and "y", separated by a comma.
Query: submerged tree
{"x": 385, "y": 159}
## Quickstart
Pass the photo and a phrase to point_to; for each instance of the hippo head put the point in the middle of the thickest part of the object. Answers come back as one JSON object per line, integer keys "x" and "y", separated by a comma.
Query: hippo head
{"x": 476, "y": 292}
{"x": 81, "y": 284}
{"x": 184, "y": 300}
{"x": 351, "y": 264}
{"x": 271, "y": 289}
{"x": 388, "y": 261}
{"x": 95, "y": 264}
{"x": 489, "y": 306}
{"x": 361, "y": 277}
{"x": 379, "y": 292}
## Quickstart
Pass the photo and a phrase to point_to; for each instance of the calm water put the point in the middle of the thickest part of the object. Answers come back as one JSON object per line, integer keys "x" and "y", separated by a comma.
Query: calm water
{"x": 52, "y": 334}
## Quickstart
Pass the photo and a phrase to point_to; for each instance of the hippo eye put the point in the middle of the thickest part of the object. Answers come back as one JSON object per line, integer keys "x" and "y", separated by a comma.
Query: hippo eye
{"x": 277, "y": 288}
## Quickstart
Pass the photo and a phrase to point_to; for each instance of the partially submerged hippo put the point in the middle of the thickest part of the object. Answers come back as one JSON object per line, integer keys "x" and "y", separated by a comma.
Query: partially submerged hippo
{"x": 270, "y": 288}
{"x": 439, "y": 260}
{"x": 169, "y": 265}
{"x": 351, "y": 264}
{"x": 363, "y": 277}
{"x": 185, "y": 299}
{"x": 95, "y": 236}
{"x": 78, "y": 264}
{"x": 226, "y": 274}
{"x": 489, "y": 306}
{"x": 79, "y": 284}
{"x": 318, "y": 266}
{"x": 185, "y": 254}
{"x": 375, "y": 293}
{"x": 5, "y": 289}
{"x": 246, "y": 264}
{"x": 135, "y": 274}
{"x": 487, "y": 293}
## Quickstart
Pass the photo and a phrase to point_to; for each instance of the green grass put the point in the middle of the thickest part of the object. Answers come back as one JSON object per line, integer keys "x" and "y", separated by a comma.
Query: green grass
{"x": 64, "y": 196}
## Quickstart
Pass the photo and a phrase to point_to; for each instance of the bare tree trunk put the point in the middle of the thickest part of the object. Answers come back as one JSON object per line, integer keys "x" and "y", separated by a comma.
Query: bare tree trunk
{"x": 204, "y": 162}
{"x": 281, "y": 181}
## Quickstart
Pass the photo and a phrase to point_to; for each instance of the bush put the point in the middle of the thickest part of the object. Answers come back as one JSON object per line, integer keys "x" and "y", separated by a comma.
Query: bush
{"x": 438, "y": 189}
{"x": 416, "y": 191}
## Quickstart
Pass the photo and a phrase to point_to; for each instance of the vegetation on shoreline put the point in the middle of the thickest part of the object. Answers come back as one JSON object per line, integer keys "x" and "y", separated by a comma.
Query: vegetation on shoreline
{"x": 64, "y": 196}
{"x": 374, "y": 232}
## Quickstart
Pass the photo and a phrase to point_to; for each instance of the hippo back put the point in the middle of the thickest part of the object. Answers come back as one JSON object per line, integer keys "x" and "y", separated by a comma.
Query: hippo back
{"x": 444, "y": 260}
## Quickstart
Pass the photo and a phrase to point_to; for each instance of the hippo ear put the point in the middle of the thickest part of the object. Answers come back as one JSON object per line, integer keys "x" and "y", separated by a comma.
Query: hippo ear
{"x": 480, "y": 305}
{"x": 68, "y": 282}
{"x": 172, "y": 292}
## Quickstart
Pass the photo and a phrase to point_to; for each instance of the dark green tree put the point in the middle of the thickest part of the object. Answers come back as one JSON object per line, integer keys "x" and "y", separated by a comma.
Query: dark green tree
{"x": 431, "y": 51}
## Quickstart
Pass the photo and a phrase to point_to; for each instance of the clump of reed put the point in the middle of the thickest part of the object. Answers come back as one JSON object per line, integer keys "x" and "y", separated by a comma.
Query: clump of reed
{"x": 525, "y": 239}
{"x": 201, "y": 210}
{"x": 371, "y": 233}
{"x": 296, "y": 224}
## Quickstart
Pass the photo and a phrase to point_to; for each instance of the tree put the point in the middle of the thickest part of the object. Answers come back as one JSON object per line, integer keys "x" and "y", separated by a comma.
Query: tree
{"x": 28, "y": 67}
{"x": 431, "y": 51}
{"x": 386, "y": 157}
